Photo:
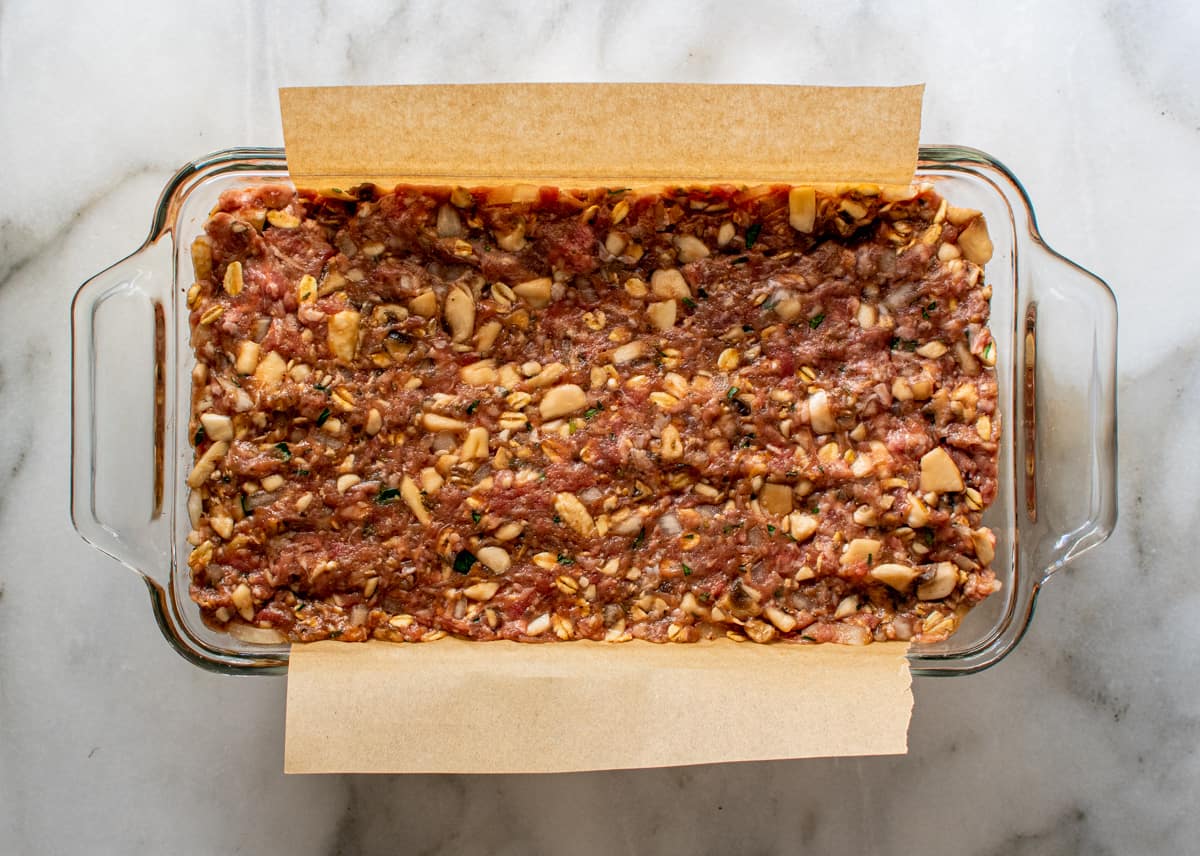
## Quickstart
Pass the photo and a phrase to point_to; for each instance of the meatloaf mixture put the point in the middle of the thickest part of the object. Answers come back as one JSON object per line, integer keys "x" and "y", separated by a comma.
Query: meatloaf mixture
{"x": 533, "y": 414}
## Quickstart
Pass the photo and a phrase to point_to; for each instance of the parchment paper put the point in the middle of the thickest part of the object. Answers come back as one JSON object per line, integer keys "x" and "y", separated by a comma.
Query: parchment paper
{"x": 596, "y": 134}
{"x": 460, "y": 707}
{"x": 505, "y": 707}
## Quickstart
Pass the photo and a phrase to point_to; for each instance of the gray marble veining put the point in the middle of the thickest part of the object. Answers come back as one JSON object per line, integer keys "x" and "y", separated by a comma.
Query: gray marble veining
{"x": 1083, "y": 741}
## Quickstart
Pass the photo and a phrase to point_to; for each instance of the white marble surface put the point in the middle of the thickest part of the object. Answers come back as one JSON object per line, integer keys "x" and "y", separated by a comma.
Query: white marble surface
{"x": 1084, "y": 740}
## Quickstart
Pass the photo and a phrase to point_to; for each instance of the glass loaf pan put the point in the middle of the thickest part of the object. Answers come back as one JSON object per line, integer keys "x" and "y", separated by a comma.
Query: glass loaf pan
{"x": 1054, "y": 324}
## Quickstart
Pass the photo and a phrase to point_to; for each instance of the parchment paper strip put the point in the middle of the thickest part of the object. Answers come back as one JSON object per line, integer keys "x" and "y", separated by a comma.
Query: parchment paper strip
{"x": 590, "y": 134}
{"x": 453, "y": 706}
{"x": 503, "y": 707}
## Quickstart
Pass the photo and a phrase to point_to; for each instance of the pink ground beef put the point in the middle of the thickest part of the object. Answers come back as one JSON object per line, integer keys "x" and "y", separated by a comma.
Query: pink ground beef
{"x": 598, "y": 414}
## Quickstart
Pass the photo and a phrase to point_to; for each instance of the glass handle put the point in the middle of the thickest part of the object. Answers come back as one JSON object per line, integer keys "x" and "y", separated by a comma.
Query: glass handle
{"x": 119, "y": 423}
{"x": 1068, "y": 362}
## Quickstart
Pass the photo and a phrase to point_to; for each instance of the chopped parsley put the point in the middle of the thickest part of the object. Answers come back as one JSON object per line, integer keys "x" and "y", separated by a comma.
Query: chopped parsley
{"x": 689, "y": 303}
{"x": 592, "y": 412}
{"x": 930, "y": 308}
{"x": 640, "y": 539}
{"x": 463, "y": 561}
{"x": 476, "y": 516}
{"x": 899, "y": 344}
{"x": 564, "y": 559}
{"x": 768, "y": 305}
{"x": 472, "y": 407}
{"x": 733, "y": 391}
{"x": 816, "y": 321}
{"x": 284, "y": 451}
{"x": 323, "y": 417}
{"x": 770, "y": 529}
{"x": 808, "y": 638}
{"x": 687, "y": 572}
{"x": 752, "y": 234}
{"x": 387, "y": 495}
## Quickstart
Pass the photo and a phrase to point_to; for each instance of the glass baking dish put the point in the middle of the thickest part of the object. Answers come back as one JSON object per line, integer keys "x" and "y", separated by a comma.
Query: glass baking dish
{"x": 1054, "y": 324}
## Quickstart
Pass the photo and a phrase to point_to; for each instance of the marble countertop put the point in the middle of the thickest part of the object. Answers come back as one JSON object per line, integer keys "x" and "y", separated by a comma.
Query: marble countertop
{"x": 1084, "y": 740}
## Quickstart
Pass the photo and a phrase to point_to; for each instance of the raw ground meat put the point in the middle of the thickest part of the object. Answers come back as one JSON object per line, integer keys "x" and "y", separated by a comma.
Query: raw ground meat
{"x": 532, "y": 414}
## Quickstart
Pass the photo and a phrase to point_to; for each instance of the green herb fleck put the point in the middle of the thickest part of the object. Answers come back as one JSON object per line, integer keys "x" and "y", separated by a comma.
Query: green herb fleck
{"x": 770, "y": 529}
{"x": 284, "y": 451}
{"x": 556, "y": 519}
{"x": 387, "y": 495}
{"x": 320, "y": 387}
{"x": 930, "y": 308}
{"x": 592, "y": 412}
{"x": 640, "y": 539}
{"x": 302, "y": 472}
{"x": 927, "y": 537}
{"x": 563, "y": 559}
{"x": 687, "y": 572}
{"x": 323, "y": 417}
{"x": 733, "y": 391}
{"x": 463, "y": 561}
{"x": 337, "y": 634}
{"x": 752, "y": 234}
{"x": 689, "y": 303}
{"x": 816, "y": 321}
{"x": 816, "y": 509}
{"x": 870, "y": 559}
{"x": 808, "y": 638}
{"x": 199, "y": 438}
{"x": 613, "y": 191}
{"x": 245, "y": 510}
{"x": 472, "y": 407}
{"x": 768, "y": 305}
{"x": 899, "y": 344}
{"x": 476, "y": 517}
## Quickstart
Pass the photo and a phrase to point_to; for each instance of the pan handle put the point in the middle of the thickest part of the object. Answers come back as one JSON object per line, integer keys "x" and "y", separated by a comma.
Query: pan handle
{"x": 119, "y": 418}
{"x": 1069, "y": 369}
